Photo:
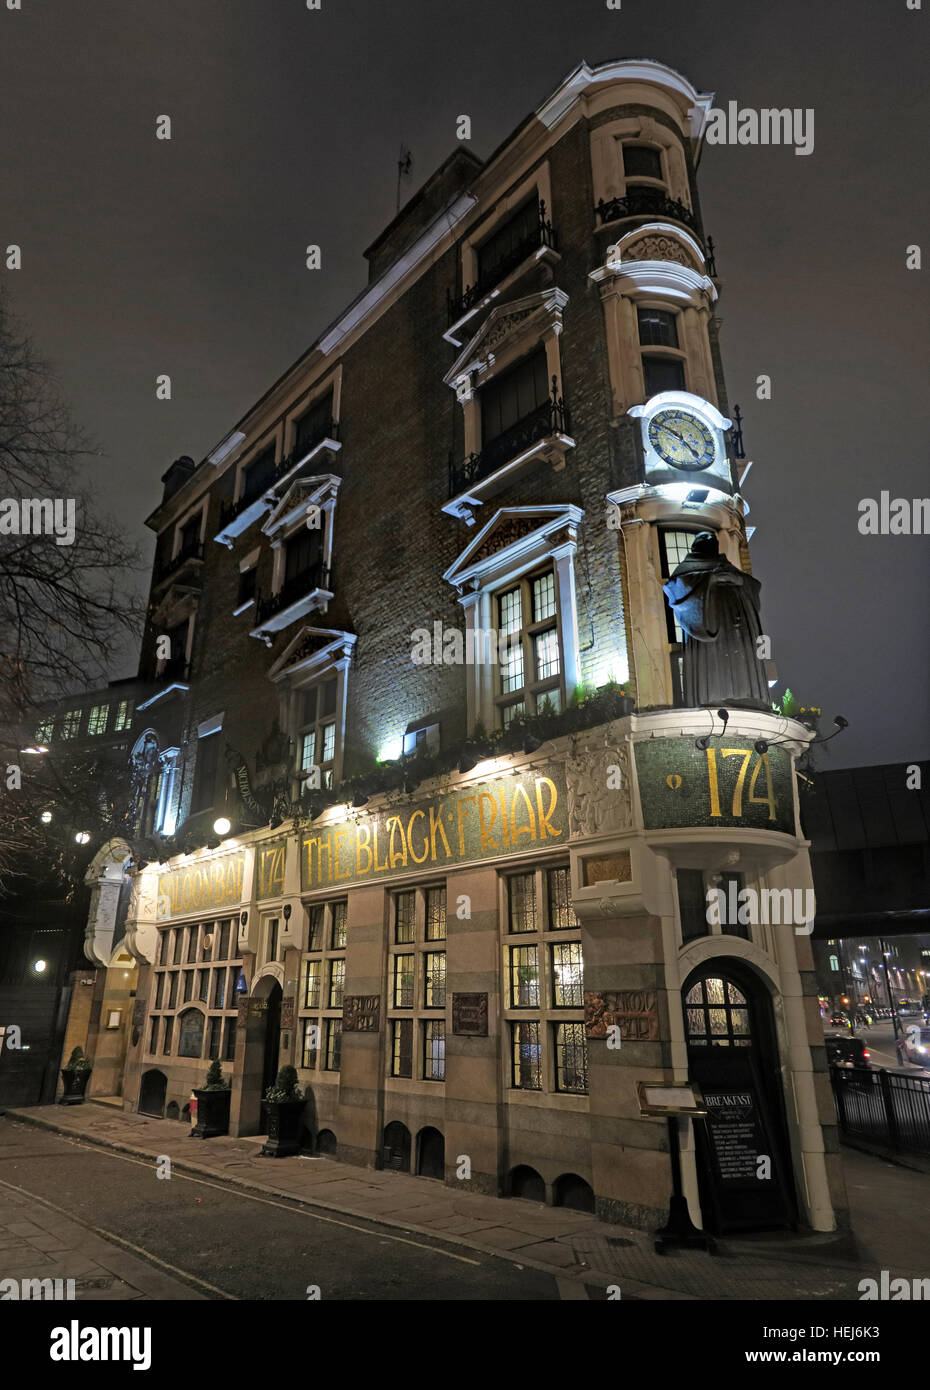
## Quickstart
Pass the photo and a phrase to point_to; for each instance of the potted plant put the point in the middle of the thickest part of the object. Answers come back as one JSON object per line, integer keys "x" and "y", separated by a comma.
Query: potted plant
{"x": 212, "y": 1105}
{"x": 75, "y": 1076}
{"x": 284, "y": 1106}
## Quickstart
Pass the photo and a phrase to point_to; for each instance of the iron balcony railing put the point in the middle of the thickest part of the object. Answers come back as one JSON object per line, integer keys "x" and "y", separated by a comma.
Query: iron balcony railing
{"x": 550, "y": 418}
{"x": 542, "y": 235}
{"x": 192, "y": 551}
{"x": 645, "y": 202}
{"x": 298, "y": 587}
{"x": 230, "y": 510}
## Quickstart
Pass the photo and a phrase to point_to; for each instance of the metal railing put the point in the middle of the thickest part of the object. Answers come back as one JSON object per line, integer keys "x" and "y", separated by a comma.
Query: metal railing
{"x": 315, "y": 577}
{"x": 645, "y": 202}
{"x": 230, "y": 510}
{"x": 550, "y": 418}
{"x": 194, "y": 551}
{"x": 542, "y": 235}
{"x": 885, "y": 1107}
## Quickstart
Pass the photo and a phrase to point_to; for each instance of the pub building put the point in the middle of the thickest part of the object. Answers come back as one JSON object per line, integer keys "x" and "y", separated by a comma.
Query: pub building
{"x": 462, "y": 886}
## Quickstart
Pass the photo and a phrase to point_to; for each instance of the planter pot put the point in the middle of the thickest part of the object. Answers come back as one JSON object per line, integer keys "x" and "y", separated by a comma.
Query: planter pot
{"x": 212, "y": 1113}
{"x": 75, "y": 1085}
{"x": 625, "y": 704}
{"x": 285, "y": 1123}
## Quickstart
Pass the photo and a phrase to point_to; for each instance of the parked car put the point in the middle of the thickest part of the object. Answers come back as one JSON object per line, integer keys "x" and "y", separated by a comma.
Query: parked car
{"x": 917, "y": 1044}
{"x": 844, "y": 1051}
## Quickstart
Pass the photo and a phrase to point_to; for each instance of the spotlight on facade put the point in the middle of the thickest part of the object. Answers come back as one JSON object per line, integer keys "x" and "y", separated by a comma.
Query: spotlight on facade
{"x": 531, "y": 743}
{"x": 45, "y": 817}
{"x": 360, "y": 799}
{"x": 467, "y": 761}
{"x": 697, "y": 494}
{"x": 761, "y": 746}
{"x": 840, "y": 722}
{"x": 222, "y": 825}
{"x": 82, "y": 837}
{"x": 40, "y": 966}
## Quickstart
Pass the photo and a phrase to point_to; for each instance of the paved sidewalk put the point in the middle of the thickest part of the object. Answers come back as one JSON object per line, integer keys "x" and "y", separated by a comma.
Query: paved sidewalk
{"x": 574, "y": 1246}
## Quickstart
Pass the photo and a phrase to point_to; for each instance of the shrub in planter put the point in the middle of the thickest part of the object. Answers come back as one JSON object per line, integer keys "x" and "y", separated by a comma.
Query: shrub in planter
{"x": 75, "y": 1076}
{"x": 284, "y": 1107}
{"x": 212, "y": 1105}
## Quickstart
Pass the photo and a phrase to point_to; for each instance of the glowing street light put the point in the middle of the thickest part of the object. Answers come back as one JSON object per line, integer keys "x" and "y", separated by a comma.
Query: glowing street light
{"x": 83, "y": 837}
{"x": 222, "y": 825}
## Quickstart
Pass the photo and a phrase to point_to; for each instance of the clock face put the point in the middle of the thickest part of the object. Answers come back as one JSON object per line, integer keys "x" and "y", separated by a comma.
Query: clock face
{"x": 682, "y": 440}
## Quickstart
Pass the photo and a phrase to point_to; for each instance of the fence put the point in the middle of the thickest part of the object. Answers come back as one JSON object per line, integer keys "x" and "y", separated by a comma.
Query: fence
{"x": 885, "y": 1107}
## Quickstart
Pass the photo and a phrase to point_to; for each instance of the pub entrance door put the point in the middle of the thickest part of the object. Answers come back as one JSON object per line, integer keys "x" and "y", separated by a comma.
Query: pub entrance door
{"x": 272, "y": 1041}
{"x": 744, "y": 1162}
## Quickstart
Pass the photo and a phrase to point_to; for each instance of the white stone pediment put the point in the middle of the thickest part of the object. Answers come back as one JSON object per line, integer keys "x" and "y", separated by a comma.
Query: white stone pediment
{"x": 312, "y": 647}
{"x": 513, "y": 534}
{"x": 507, "y": 322}
{"x": 302, "y": 493}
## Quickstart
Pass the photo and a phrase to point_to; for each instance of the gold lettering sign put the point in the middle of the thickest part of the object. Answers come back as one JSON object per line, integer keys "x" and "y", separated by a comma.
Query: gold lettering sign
{"x": 270, "y": 862}
{"x": 211, "y": 883}
{"x": 522, "y": 812}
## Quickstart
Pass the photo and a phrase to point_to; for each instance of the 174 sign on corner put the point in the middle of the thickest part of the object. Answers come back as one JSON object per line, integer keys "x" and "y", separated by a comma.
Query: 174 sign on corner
{"x": 727, "y": 784}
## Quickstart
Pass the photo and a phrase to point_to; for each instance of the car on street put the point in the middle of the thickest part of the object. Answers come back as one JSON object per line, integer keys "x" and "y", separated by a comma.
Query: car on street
{"x": 840, "y": 1021}
{"x": 844, "y": 1051}
{"x": 917, "y": 1044}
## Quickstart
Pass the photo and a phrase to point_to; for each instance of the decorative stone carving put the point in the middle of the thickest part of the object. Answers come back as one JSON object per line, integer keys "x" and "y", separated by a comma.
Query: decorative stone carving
{"x": 655, "y": 247}
{"x": 513, "y": 529}
{"x": 597, "y": 805}
{"x": 503, "y": 326}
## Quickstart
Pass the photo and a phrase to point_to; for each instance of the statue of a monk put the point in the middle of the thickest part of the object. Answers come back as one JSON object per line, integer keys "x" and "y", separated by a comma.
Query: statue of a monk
{"x": 717, "y": 608}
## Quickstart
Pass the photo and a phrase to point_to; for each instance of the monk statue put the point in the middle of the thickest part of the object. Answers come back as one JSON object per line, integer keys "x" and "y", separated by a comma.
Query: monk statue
{"x": 717, "y": 607}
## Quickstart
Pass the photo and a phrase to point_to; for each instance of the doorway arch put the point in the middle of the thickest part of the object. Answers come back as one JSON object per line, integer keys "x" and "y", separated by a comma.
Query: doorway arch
{"x": 395, "y": 1151}
{"x": 744, "y": 1164}
{"x": 431, "y": 1153}
{"x": 152, "y": 1091}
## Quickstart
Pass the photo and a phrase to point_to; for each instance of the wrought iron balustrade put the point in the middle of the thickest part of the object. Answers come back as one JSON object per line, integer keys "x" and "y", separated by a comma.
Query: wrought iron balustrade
{"x": 542, "y": 235}
{"x": 298, "y": 587}
{"x": 550, "y": 418}
{"x": 645, "y": 202}
{"x": 193, "y": 551}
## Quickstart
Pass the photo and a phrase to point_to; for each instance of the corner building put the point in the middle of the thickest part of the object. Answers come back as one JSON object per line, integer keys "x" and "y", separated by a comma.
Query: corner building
{"x": 495, "y": 926}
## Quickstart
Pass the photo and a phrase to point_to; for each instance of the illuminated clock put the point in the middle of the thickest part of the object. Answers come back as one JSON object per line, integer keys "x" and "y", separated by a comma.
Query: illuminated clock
{"x": 682, "y": 440}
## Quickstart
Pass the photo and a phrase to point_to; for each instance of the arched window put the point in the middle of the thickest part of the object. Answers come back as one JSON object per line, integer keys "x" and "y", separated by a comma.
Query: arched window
{"x": 717, "y": 1014}
{"x": 190, "y": 1034}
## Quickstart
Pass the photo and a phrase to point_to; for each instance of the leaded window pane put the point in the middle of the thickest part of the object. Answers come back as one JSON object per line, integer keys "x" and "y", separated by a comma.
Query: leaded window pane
{"x": 522, "y": 902}
{"x": 524, "y": 977}
{"x": 571, "y": 1058}
{"x": 434, "y": 1050}
{"x": 546, "y": 650}
{"x": 339, "y": 926}
{"x": 527, "y": 1056}
{"x": 543, "y": 597}
{"x": 567, "y": 975}
{"x": 337, "y": 976}
{"x": 312, "y": 981}
{"x": 436, "y": 914}
{"x": 403, "y": 982}
{"x": 404, "y": 918}
{"x": 435, "y": 990}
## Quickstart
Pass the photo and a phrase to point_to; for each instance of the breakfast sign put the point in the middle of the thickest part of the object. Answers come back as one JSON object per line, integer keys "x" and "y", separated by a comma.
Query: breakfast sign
{"x": 517, "y": 812}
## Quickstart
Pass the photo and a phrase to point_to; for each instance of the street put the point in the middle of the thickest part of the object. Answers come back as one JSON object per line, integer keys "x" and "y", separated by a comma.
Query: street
{"x": 880, "y": 1041}
{"x": 230, "y": 1244}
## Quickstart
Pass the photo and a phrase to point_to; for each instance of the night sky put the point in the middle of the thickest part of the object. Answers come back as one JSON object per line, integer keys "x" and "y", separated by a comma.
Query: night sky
{"x": 187, "y": 257}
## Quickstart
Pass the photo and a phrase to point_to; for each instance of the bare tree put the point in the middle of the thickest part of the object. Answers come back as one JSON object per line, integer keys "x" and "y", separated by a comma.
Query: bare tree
{"x": 65, "y": 609}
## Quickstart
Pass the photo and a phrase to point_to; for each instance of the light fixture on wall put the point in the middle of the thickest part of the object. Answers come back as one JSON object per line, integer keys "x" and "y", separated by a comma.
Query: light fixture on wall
{"x": 222, "y": 825}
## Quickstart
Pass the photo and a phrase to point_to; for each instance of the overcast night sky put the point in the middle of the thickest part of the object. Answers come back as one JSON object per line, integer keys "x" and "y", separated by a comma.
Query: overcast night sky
{"x": 187, "y": 257}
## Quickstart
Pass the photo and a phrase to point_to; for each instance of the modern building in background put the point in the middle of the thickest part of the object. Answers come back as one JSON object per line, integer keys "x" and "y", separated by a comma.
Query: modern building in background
{"x": 869, "y": 830}
{"x": 427, "y": 817}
